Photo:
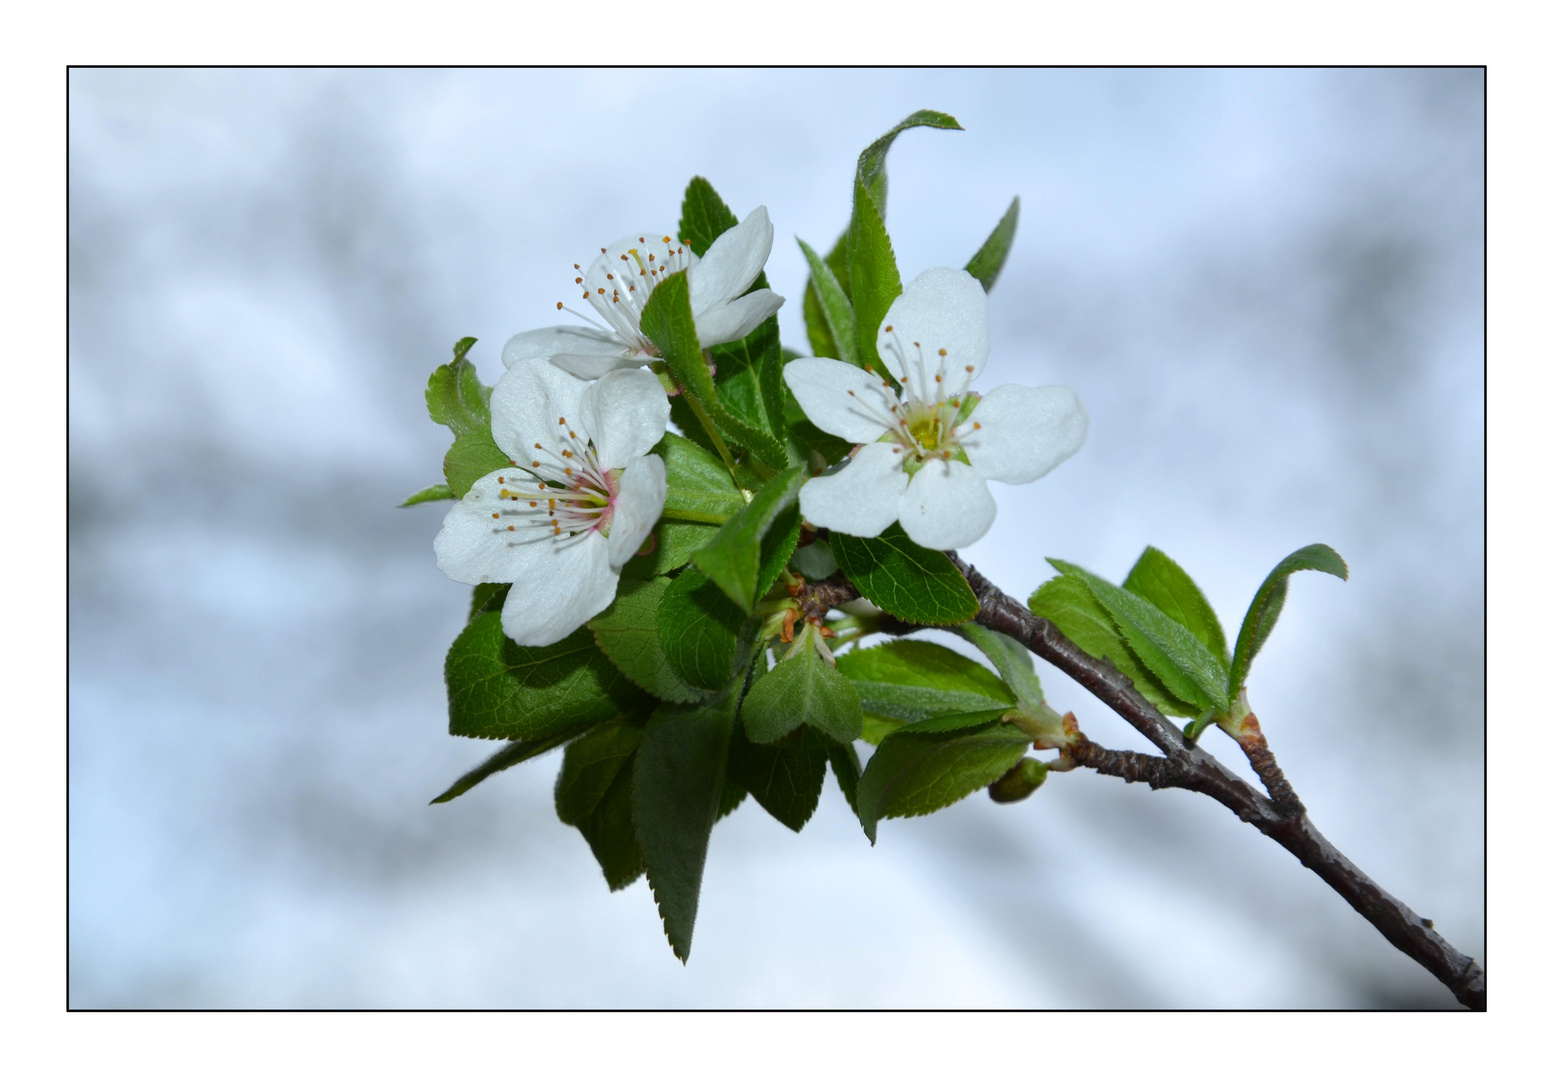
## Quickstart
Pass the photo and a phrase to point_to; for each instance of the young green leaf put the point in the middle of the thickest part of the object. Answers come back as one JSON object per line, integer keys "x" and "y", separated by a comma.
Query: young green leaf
{"x": 673, "y": 543}
{"x": 434, "y": 493}
{"x": 987, "y": 263}
{"x": 703, "y": 216}
{"x": 847, "y": 768}
{"x": 1011, "y": 660}
{"x": 875, "y": 279}
{"x": 820, "y": 340}
{"x": 500, "y": 690}
{"x": 593, "y": 793}
{"x": 870, "y": 163}
{"x": 668, "y": 322}
{"x": 699, "y": 487}
{"x": 732, "y": 559}
{"x": 1068, "y": 603}
{"x": 834, "y": 307}
{"x": 785, "y": 777}
{"x": 680, "y": 768}
{"x": 456, "y": 398}
{"x": 513, "y": 753}
{"x": 904, "y": 579}
{"x": 1186, "y": 666}
{"x": 1159, "y": 579}
{"x": 777, "y": 548}
{"x": 748, "y": 379}
{"x": 925, "y": 767}
{"x": 1268, "y": 605}
{"x": 627, "y": 633}
{"x": 698, "y": 626}
{"x": 911, "y": 681}
{"x": 802, "y": 689}
{"x": 487, "y": 596}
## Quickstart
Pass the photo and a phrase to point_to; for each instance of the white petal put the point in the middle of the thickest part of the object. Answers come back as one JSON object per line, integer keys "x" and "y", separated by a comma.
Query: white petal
{"x": 941, "y": 309}
{"x": 637, "y": 507}
{"x": 864, "y": 497}
{"x": 472, "y": 548}
{"x": 561, "y": 586}
{"x": 528, "y": 403}
{"x": 1024, "y": 432}
{"x": 546, "y": 343}
{"x": 841, "y": 398}
{"x": 948, "y": 506}
{"x": 626, "y": 413}
{"x": 731, "y": 264}
{"x": 733, "y": 320}
{"x": 594, "y": 367}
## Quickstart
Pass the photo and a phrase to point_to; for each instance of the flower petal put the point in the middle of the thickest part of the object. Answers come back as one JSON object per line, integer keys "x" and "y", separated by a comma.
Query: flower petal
{"x": 731, "y": 264}
{"x": 1020, "y": 433}
{"x": 546, "y": 343}
{"x": 841, "y": 398}
{"x": 472, "y": 548}
{"x": 527, "y": 405}
{"x": 948, "y": 506}
{"x": 637, "y": 507}
{"x": 941, "y": 309}
{"x": 626, "y": 412}
{"x": 733, "y": 320}
{"x": 864, "y": 497}
{"x": 560, "y": 586}
{"x": 593, "y": 367}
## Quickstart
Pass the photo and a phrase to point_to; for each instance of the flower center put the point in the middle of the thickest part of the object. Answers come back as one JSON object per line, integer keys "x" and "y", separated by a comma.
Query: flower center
{"x": 927, "y": 423}
{"x": 561, "y": 494}
{"x": 620, "y": 281}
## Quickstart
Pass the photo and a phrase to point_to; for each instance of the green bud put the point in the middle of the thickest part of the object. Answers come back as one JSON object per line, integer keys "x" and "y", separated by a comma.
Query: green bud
{"x": 1018, "y": 782}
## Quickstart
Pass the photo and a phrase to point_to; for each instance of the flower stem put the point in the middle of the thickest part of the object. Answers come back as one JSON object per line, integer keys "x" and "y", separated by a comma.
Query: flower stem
{"x": 711, "y": 429}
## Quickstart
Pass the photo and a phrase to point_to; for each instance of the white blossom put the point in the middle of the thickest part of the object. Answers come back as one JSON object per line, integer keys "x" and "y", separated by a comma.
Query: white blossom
{"x": 579, "y": 500}
{"x": 924, "y": 461}
{"x": 620, "y": 281}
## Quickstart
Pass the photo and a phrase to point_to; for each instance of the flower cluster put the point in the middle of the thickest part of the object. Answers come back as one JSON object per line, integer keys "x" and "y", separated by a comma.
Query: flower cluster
{"x": 578, "y": 418}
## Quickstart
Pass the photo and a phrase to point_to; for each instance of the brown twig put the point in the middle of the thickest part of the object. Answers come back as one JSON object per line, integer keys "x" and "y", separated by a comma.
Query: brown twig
{"x": 1280, "y": 816}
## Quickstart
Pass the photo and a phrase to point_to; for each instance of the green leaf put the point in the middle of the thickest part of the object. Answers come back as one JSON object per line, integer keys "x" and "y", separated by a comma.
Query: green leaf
{"x": 870, "y": 163}
{"x": 1019, "y": 782}
{"x": 699, "y": 487}
{"x": 698, "y": 626}
{"x": 456, "y": 397}
{"x": 732, "y": 559}
{"x": 834, "y": 307}
{"x": 1159, "y": 579}
{"x": 627, "y": 633}
{"x": 802, "y": 689}
{"x": 513, "y": 753}
{"x": 497, "y": 689}
{"x": 487, "y": 596}
{"x": 987, "y": 263}
{"x": 668, "y": 322}
{"x": 784, "y": 777}
{"x": 820, "y": 339}
{"x": 680, "y": 767}
{"x": 674, "y": 543}
{"x": 1068, "y": 603}
{"x": 1186, "y": 666}
{"x": 911, "y": 681}
{"x": 434, "y": 493}
{"x": 777, "y": 548}
{"x": 1268, "y": 605}
{"x": 847, "y": 768}
{"x": 703, "y": 217}
{"x": 733, "y": 796}
{"x": 593, "y": 793}
{"x": 748, "y": 379}
{"x": 1011, "y": 660}
{"x": 875, "y": 279}
{"x": 926, "y": 767}
{"x": 904, "y": 579}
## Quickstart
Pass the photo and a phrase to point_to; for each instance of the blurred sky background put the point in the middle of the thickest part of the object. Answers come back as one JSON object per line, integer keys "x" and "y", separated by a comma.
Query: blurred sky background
{"x": 1267, "y": 287}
